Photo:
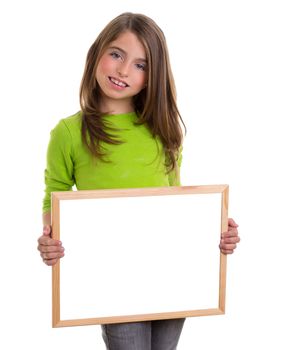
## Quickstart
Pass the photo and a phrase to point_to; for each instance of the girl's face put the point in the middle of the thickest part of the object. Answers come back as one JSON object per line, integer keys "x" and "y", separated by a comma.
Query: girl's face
{"x": 122, "y": 70}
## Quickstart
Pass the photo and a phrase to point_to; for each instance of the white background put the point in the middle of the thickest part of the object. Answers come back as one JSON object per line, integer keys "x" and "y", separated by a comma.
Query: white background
{"x": 138, "y": 266}
{"x": 231, "y": 60}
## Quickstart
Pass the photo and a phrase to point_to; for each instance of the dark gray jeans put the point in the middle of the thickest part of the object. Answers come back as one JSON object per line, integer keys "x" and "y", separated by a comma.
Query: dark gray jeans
{"x": 152, "y": 335}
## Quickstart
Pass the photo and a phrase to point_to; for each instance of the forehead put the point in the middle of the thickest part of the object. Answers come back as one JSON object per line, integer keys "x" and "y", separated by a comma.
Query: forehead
{"x": 130, "y": 44}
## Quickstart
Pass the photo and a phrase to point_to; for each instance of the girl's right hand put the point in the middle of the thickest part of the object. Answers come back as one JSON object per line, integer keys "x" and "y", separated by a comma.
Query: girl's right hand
{"x": 51, "y": 250}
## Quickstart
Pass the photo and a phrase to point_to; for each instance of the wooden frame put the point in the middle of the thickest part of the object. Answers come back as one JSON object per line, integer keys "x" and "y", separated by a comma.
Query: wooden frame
{"x": 61, "y": 197}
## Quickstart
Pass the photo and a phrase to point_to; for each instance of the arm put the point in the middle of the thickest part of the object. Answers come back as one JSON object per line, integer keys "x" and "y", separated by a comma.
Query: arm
{"x": 46, "y": 219}
{"x": 58, "y": 177}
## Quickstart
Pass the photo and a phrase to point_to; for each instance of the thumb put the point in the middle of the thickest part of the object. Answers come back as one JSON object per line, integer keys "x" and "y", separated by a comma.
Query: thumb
{"x": 47, "y": 229}
{"x": 232, "y": 223}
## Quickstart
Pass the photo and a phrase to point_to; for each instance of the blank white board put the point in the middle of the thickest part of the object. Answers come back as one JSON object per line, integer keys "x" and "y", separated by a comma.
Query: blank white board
{"x": 139, "y": 254}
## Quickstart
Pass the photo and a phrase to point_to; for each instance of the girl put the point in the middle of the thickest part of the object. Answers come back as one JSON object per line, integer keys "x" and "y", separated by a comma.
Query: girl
{"x": 127, "y": 134}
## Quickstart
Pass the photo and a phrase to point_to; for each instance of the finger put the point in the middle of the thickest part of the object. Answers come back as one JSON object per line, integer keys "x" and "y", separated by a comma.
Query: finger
{"x": 51, "y": 262}
{"x": 223, "y": 245}
{"x": 224, "y": 251}
{"x": 52, "y": 256}
{"x": 44, "y": 240}
{"x": 230, "y": 233}
{"x": 47, "y": 230}
{"x": 231, "y": 239}
{"x": 228, "y": 246}
{"x": 51, "y": 249}
{"x": 232, "y": 223}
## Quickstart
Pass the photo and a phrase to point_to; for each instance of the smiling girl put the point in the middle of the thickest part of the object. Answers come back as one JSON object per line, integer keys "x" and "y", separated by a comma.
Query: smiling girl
{"x": 127, "y": 134}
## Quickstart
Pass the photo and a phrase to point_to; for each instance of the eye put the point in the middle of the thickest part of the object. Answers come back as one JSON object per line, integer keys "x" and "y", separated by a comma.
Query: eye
{"x": 115, "y": 55}
{"x": 141, "y": 66}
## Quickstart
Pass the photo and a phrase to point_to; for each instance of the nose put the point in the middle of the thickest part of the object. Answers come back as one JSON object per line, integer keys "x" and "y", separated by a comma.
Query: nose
{"x": 123, "y": 69}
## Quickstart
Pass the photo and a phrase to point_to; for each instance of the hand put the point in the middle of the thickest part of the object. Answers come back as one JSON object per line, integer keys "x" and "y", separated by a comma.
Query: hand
{"x": 51, "y": 250}
{"x": 230, "y": 238}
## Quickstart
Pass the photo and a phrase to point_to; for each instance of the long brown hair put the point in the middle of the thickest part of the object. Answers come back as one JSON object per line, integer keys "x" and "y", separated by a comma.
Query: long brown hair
{"x": 156, "y": 104}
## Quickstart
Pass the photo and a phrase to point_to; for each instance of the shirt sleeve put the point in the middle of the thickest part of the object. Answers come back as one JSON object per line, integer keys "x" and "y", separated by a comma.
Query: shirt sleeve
{"x": 59, "y": 169}
{"x": 174, "y": 175}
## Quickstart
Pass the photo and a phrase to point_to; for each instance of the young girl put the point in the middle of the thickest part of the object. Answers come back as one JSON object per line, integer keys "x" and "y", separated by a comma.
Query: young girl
{"x": 127, "y": 134}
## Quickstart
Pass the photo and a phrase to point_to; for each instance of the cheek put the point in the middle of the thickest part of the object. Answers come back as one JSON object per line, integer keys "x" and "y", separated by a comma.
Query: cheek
{"x": 105, "y": 65}
{"x": 138, "y": 78}
{"x": 142, "y": 80}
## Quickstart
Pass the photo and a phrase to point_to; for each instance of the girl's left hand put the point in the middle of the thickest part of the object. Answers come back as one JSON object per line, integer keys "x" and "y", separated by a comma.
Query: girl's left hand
{"x": 230, "y": 238}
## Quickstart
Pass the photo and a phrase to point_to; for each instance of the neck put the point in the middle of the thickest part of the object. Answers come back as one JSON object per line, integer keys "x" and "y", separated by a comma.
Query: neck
{"x": 117, "y": 106}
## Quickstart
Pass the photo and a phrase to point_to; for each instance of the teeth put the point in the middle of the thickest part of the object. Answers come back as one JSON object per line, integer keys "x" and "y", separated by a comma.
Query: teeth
{"x": 119, "y": 83}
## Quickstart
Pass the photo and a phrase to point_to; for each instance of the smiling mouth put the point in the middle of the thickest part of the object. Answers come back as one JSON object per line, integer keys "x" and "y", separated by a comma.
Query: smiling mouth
{"x": 118, "y": 82}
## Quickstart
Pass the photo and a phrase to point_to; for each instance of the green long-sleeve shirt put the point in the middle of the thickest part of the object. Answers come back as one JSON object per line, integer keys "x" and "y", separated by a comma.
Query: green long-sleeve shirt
{"x": 138, "y": 162}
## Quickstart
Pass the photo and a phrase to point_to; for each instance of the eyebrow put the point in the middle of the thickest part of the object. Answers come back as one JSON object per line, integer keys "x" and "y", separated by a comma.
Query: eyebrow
{"x": 125, "y": 53}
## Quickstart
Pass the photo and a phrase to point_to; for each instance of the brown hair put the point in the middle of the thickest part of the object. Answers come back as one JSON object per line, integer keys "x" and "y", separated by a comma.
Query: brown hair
{"x": 155, "y": 104}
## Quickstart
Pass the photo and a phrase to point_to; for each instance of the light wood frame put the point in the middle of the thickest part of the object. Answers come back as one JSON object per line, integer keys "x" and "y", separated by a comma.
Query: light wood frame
{"x": 158, "y": 191}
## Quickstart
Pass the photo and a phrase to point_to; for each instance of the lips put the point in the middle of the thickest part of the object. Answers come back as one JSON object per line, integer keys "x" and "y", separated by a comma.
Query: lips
{"x": 118, "y": 82}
